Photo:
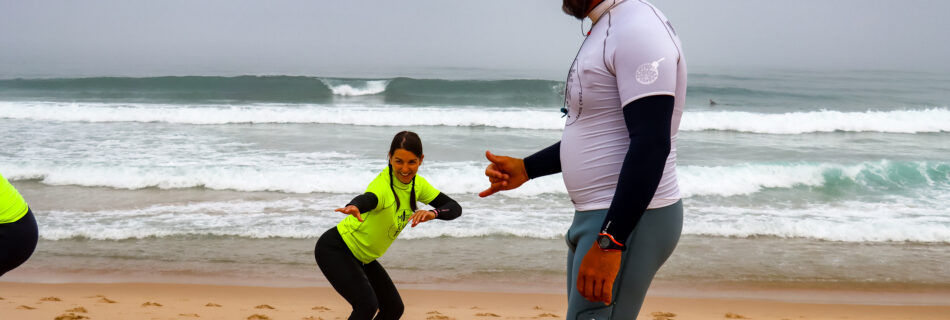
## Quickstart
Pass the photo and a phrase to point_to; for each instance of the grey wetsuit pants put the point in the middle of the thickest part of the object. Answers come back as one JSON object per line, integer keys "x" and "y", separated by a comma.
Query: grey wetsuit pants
{"x": 648, "y": 247}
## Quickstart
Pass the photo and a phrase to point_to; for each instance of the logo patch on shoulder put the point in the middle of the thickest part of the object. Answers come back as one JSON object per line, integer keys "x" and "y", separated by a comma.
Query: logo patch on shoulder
{"x": 647, "y": 73}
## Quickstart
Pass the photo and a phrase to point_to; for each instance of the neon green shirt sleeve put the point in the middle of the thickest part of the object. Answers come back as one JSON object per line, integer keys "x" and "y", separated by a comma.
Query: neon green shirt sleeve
{"x": 425, "y": 192}
{"x": 380, "y": 188}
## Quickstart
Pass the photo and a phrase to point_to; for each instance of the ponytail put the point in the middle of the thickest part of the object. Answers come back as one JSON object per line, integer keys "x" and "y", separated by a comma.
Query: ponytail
{"x": 412, "y": 195}
{"x": 394, "y": 189}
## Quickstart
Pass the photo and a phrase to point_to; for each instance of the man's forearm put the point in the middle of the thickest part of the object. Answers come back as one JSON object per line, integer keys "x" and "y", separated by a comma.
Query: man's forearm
{"x": 544, "y": 162}
{"x": 648, "y": 123}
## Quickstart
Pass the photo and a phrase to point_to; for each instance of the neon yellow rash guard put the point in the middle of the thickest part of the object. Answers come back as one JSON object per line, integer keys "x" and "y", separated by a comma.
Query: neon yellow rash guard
{"x": 369, "y": 240}
{"x": 12, "y": 205}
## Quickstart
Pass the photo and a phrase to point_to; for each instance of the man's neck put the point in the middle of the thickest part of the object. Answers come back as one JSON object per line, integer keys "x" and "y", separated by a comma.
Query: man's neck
{"x": 600, "y": 7}
{"x": 592, "y": 5}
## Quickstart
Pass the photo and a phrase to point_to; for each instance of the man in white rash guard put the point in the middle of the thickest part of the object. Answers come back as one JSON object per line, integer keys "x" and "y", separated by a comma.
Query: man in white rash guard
{"x": 624, "y": 98}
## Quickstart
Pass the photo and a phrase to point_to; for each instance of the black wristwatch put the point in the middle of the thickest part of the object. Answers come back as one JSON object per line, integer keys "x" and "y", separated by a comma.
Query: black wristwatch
{"x": 607, "y": 242}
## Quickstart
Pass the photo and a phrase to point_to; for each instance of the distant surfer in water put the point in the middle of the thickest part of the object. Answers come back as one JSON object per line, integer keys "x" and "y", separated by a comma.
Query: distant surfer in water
{"x": 347, "y": 253}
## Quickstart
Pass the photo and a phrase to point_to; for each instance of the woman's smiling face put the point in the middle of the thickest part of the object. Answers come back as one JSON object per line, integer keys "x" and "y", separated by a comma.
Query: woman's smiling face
{"x": 405, "y": 164}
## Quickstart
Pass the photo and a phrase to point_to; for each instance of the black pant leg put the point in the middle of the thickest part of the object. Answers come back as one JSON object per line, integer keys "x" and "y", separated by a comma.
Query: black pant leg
{"x": 346, "y": 274}
{"x": 390, "y": 303}
{"x": 17, "y": 242}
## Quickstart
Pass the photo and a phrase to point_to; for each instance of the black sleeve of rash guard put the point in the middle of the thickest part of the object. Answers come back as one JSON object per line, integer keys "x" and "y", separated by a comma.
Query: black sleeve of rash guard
{"x": 648, "y": 123}
{"x": 544, "y": 162}
{"x": 445, "y": 207}
{"x": 365, "y": 202}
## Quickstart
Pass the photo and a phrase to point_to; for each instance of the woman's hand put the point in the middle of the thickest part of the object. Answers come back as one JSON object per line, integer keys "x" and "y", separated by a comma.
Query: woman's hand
{"x": 421, "y": 216}
{"x": 351, "y": 210}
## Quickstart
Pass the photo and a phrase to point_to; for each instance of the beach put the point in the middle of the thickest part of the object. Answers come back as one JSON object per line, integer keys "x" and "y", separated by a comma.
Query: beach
{"x": 181, "y": 159}
{"x": 190, "y": 301}
{"x": 806, "y": 195}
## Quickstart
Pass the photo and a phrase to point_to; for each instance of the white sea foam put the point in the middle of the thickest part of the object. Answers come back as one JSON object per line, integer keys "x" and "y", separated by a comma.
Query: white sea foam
{"x": 307, "y": 218}
{"x": 465, "y": 177}
{"x": 750, "y": 178}
{"x": 897, "y": 121}
{"x": 850, "y": 221}
{"x": 388, "y": 115}
{"x": 349, "y": 178}
{"x": 289, "y": 218}
{"x": 369, "y": 88}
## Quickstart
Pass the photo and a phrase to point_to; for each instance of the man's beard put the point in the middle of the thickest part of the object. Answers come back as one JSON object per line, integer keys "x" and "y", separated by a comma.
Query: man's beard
{"x": 576, "y": 8}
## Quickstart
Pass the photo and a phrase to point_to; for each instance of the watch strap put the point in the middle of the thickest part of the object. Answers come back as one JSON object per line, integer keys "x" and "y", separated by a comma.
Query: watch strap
{"x": 613, "y": 244}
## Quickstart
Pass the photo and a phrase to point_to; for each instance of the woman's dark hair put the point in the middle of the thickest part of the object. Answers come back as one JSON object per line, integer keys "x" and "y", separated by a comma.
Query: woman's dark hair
{"x": 408, "y": 141}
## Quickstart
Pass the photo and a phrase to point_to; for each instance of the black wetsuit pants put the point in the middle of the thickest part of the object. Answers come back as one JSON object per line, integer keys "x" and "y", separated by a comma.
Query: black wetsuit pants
{"x": 17, "y": 242}
{"x": 367, "y": 287}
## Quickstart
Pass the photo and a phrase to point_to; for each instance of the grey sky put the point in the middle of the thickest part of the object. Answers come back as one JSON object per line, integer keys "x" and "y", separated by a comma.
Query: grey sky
{"x": 411, "y": 37}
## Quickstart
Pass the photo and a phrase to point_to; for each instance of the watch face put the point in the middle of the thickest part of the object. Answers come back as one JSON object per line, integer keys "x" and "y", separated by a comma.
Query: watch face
{"x": 604, "y": 242}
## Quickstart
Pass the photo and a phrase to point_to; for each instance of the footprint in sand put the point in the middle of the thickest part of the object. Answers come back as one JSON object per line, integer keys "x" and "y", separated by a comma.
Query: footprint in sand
{"x": 105, "y": 300}
{"x": 50, "y": 299}
{"x": 487, "y": 314}
{"x": 435, "y": 315}
{"x": 659, "y": 315}
{"x": 731, "y": 315}
{"x": 258, "y": 317}
{"x": 71, "y": 316}
{"x": 212, "y": 304}
{"x": 25, "y": 307}
{"x": 537, "y": 307}
{"x": 320, "y": 308}
{"x": 192, "y": 315}
{"x": 78, "y": 309}
{"x": 151, "y": 304}
{"x": 264, "y": 306}
{"x": 547, "y": 315}
{"x": 312, "y": 318}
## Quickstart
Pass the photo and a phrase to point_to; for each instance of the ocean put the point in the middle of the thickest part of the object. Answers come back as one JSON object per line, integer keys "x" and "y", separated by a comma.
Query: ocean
{"x": 789, "y": 177}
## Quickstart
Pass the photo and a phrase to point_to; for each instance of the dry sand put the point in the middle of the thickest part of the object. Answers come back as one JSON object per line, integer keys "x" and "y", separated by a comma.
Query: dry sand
{"x": 190, "y": 301}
